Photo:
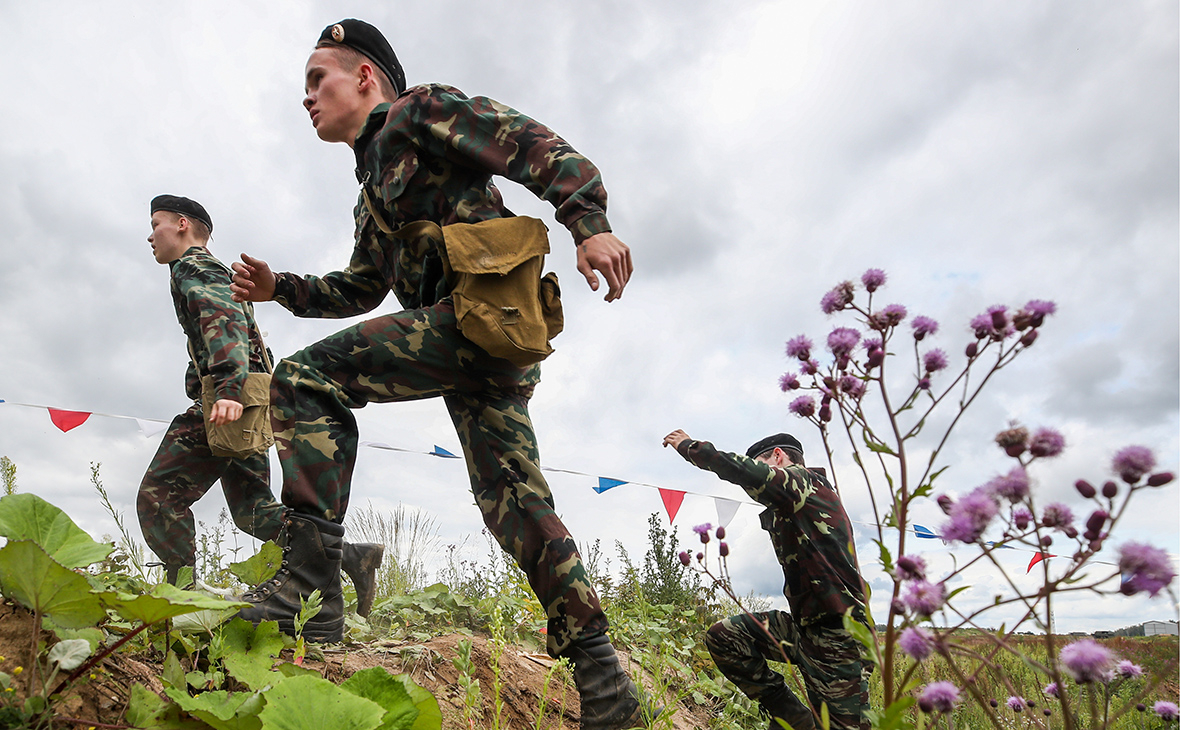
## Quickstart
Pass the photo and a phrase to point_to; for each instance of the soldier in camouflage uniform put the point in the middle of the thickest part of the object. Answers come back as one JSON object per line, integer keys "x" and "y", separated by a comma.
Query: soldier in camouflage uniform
{"x": 812, "y": 538}
{"x": 226, "y": 344}
{"x": 428, "y": 153}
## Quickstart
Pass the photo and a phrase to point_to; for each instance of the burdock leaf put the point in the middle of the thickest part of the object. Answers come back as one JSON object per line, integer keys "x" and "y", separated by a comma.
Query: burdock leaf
{"x": 28, "y": 517}
{"x": 249, "y": 652}
{"x": 220, "y": 709}
{"x": 377, "y": 685}
{"x": 30, "y": 576}
{"x": 165, "y": 601}
{"x": 261, "y": 567}
{"x": 305, "y": 702}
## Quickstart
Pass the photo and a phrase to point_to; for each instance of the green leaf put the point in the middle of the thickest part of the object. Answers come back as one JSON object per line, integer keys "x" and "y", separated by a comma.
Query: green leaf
{"x": 203, "y": 622}
{"x": 878, "y": 448}
{"x": 70, "y": 654}
{"x": 93, "y": 636}
{"x": 299, "y": 703}
{"x": 172, "y": 672}
{"x": 222, "y": 710}
{"x": 30, "y": 576}
{"x": 261, "y": 567}
{"x": 825, "y": 717}
{"x": 165, "y": 601}
{"x": 145, "y": 709}
{"x": 249, "y": 652}
{"x": 377, "y": 685}
{"x": 287, "y": 669}
{"x": 863, "y": 634}
{"x": 28, "y": 517}
{"x": 886, "y": 556}
{"x": 955, "y": 592}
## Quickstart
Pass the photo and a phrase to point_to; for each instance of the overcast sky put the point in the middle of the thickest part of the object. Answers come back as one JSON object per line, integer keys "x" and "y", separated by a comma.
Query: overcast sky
{"x": 755, "y": 155}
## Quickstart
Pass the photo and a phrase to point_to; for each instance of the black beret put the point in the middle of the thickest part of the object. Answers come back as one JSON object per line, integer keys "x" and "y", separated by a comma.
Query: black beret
{"x": 184, "y": 206}
{"x": 360, "y": 36}
{"x": 781, "y": 440}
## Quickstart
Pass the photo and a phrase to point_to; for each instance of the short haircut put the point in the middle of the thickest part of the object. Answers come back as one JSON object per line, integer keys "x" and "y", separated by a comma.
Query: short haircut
{"x": 795, "y": 455}
{"x": 351, "y": 59}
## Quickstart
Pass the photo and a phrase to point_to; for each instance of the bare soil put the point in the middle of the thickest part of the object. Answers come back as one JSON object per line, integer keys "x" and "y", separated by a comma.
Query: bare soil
{"x": 103, "y": 700}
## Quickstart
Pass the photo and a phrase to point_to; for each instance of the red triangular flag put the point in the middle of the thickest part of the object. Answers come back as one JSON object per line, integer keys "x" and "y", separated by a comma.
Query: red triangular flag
{"x": 1036, "y": 559}
{"x": 672, "y": 500}
{"x": 65, "y": 420}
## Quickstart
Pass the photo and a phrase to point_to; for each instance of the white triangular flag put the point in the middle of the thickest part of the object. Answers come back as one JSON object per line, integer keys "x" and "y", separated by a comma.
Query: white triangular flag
{"x": 726, "y": 509}
{"x": 151, "y": 428}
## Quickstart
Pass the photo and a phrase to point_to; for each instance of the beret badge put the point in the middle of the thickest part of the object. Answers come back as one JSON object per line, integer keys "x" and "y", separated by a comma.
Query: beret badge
{"x": 338, "y": 33}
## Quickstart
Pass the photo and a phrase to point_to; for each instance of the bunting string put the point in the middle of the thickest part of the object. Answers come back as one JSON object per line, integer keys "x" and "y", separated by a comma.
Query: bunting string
{"x": 727, "y": 508}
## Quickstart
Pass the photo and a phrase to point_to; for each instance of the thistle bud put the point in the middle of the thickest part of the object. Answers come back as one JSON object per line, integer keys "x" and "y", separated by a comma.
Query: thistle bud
{"x": 1096, "y": 520}
{"x": 825, "y": 413}
{"x": 720, "y": 533}
{"x": 700, "y": 557}
{"x": 723, "y": 549}
{"x": 972, "y": 349}
{"x": 1085, "y": 488}
{"x": 1110, "y": 490}
{"x": 1046, "y": 541}
{"x": 876, "y": 357}
{"x": 685, "y": 558}
{"x": 1028, "y": 338}
{"x": 1160, "y": 479}
{"x": 945, "y": 503}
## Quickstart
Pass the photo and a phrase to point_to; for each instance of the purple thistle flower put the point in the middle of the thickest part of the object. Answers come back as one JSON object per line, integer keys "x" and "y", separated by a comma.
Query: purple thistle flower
{"x": 1128, "y": 669}
{"x": 1133, "y": 462}
{"x": 934, "y": 360}
{"x": 842, "y": 340}
{"x": 1013, "y": 486}
{"x": 917, "y": 642}
{"x": 982, "y": 324}
{"x": 1021, "y": 517}
{"x": 970, "y": 516}
{"x": 799, "y": 347}
{"x": 788, "y": 381}
{"x": 1046, "y": 442}
{"x": 924, "y": 597}
{"x": 924, "y": 384}
{"x": 923, "y": 326}
{"x": 1150, "y": 568}
{"x": 803, "y": 406}
{"x": 1016, "y": 704}
{"x": 1167, "y": 711}
{"x": 1036, "y": 310}
{"x": 911, "y": 567}
{"x": 703, "y": 531}
{"x": 1050, "y": 689}
{"x": 938, "y": 696}
{"x": 890, "y": 316}
{"x": 853, "y": 386}
{"x": 811, "y": 367}
{"x": 871, "y": 343}
{"x": 873, "y": 279}
{"x": 838, "y": 298}
{"x": 1057, "y": 515}
{"x": 1086, "y": 660}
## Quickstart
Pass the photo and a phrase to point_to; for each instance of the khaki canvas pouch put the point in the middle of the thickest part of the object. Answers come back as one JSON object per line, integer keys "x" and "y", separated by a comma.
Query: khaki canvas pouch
{"x": 502, "y": 303}
{"x": 251, "y": 433}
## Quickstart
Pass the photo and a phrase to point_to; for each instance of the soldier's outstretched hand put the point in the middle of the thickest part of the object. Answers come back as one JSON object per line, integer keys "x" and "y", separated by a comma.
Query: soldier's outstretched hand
{"x": 604, "y": 252}
{"x": 253, "y": 281}
{"x": 675, "y": 438}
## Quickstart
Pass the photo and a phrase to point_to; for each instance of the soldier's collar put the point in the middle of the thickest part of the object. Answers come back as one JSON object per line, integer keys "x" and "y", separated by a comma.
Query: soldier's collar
{"x": 374, "y": 122}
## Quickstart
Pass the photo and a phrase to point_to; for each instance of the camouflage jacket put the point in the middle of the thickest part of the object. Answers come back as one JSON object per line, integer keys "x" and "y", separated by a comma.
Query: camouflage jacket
{"x": 431, "y": 155}
{"x": 221, "y": 332}
{"x": 811, "y": 533}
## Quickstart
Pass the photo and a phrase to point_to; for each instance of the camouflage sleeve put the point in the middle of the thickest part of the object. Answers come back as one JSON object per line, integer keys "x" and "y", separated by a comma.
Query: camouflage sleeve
{"x": 218, "y": 320}
{"x": 767, "y": 485}
{"x": 487, "y": 135}
{"x": 358, "y": 289}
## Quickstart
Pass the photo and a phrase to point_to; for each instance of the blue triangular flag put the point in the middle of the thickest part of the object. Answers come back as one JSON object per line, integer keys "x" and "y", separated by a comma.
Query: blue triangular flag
{"x": 605, "y": 483}
{"x": 440, "y": 451}
{"x": 924, "y": 532}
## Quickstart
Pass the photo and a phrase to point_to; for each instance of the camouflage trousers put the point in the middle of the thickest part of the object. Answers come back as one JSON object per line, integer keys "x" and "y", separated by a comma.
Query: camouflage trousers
{"x": 181, "y": 472}
{"x": 827, "y": 656}
{"x": 419, "y": 354}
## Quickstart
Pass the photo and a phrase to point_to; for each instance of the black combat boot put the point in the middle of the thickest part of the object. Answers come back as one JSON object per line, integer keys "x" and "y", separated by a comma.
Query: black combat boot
{"x": 610, "y": 700}
{"x": 312, "y": 549}
{"x": 360, "y": 562}
{"x": 782, "y": 702}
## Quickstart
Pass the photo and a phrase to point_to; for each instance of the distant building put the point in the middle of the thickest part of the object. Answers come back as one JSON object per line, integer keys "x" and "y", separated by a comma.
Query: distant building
{"x": 1156, "y": 628}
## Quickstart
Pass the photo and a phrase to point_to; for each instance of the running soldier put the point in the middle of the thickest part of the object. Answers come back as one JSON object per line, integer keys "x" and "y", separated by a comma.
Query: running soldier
{"x": 224, "y": 342}
{"x": 426, "y": 155}
{"x": 812, "y": 538}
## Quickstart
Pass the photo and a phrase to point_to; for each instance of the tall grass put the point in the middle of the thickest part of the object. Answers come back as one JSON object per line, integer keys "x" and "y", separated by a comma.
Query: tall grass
{"x": 409, "y": 536}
